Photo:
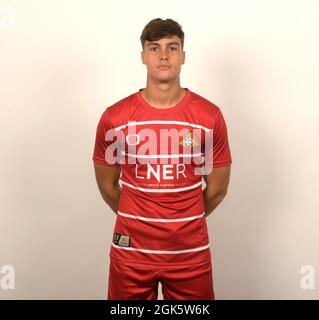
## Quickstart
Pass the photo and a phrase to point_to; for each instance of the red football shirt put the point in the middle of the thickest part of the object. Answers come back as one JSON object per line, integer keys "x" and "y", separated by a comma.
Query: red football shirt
{"x": 161, "y": 154}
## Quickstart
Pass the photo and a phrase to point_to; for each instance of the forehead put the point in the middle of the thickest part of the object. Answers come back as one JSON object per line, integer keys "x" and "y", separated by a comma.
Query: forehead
{"x": 165, "y": 41}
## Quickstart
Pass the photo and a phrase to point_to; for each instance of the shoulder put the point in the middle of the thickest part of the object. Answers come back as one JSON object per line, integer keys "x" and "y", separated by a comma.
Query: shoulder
{"x": 119, "y": 111}
{"x": 121, "y": 105}
{"x": 206, "y": 109}
{"x": 204, "y": 104}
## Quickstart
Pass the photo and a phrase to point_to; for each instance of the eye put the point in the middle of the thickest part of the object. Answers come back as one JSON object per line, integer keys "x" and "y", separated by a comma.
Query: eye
{"x": 153, "y": 48}
{"x": 173, "y": 48}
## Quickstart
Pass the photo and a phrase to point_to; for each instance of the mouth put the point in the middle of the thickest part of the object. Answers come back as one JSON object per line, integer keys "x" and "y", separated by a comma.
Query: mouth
{"x": 164, "y": 67}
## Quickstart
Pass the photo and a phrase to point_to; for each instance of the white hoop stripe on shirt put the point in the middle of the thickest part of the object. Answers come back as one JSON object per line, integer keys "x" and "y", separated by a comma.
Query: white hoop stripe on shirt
{"x": 137, "y": 123}
{"x": 127, "y": 215}
{"x": 161, "y": 251}
{"x": 161, "y": 190}
{"x": 154, "y": 156}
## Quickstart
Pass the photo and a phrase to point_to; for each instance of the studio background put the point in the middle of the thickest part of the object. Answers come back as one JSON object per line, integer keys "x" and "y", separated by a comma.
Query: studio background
{"x": 63, "y": 62}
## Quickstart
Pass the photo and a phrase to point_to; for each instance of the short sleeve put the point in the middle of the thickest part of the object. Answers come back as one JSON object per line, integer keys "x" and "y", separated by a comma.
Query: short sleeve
{"x": 105, "y": 149}
{"x": 217, "y": 150}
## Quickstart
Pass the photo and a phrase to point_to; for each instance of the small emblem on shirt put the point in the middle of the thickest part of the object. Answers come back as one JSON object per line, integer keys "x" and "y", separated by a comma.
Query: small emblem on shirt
{"x": 121, "y": 240}
{"x": 188, "y": 140}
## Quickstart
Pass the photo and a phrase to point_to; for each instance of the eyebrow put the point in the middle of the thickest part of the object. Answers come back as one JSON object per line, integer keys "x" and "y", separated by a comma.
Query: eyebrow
{"x": 157, "y": 44}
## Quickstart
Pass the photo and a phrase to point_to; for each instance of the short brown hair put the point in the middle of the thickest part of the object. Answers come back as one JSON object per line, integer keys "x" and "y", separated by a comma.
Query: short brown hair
{"x": 158, "y": 28}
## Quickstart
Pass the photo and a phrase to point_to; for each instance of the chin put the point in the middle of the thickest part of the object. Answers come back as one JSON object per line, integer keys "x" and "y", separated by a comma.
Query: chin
{"x": 164, "y": 78}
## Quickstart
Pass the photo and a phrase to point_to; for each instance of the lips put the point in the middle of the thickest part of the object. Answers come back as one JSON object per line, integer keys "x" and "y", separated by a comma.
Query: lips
{"x": 164, "y": 66}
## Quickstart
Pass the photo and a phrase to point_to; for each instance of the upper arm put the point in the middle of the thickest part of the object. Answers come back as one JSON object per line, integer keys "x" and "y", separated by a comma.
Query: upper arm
{"x": 217, "y": 157}
{"x": 106, "y": 167}
{"x": 217, "y": 180}
{"x": 106, "y": 176}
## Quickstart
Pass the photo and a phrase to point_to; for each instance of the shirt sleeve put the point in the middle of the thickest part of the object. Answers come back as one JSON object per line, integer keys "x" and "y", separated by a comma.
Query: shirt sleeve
{"x": 105, "y": 150}
{"x": 217, "y": 150}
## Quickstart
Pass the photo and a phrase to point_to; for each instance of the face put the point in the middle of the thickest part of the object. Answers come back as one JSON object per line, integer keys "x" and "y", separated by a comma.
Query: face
{"x": 169, "y": 67}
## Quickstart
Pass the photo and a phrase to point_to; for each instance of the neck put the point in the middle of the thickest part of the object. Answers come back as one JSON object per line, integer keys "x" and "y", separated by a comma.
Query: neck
{"x": 163, "y": 95}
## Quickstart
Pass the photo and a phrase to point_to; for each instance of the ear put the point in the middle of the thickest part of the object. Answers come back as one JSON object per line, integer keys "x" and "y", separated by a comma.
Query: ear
{"x": 143, "y": 57}
{"x": 183, "y": 57}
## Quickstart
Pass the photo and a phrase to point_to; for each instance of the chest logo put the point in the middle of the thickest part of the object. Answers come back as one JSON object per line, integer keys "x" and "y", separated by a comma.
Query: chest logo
{"x": 188, "y": 139}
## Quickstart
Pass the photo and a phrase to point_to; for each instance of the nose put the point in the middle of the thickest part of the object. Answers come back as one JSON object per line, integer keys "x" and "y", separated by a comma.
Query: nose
{"x": 163, "y": 54}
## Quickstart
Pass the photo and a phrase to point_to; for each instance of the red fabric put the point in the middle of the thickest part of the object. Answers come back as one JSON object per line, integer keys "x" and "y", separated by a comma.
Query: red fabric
{"x": 140, "y": 282}
{"x": 162, "y": 191}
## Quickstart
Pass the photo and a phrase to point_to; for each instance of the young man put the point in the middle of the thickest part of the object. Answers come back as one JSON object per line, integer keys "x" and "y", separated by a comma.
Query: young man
{"x": 151, "y": 152}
